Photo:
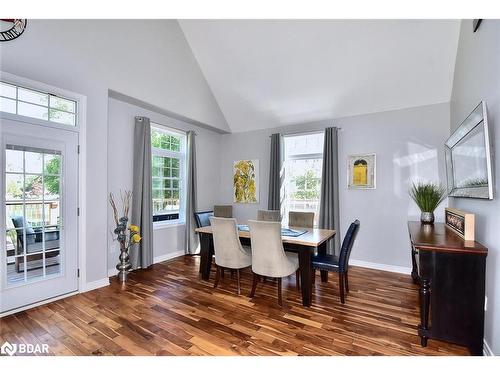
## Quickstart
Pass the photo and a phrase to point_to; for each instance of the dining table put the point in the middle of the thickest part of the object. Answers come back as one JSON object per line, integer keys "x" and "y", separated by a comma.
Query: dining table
{"x": 311, "y": 241}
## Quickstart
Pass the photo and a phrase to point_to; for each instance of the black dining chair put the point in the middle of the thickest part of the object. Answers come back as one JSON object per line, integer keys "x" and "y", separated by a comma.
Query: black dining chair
{"x": 203, "y": 218}
{"x": 339, "y": 264}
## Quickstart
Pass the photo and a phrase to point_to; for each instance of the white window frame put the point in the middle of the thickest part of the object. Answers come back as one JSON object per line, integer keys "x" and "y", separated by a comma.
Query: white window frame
{"x": 286, "y": 168}
{"x": 43, "y": 89}
{"x": 81, "y": 129}
{"x": 182, "y": 172}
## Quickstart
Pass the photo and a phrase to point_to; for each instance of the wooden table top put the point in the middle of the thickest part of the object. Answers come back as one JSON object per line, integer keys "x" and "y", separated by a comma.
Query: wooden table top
{"x": 313, "y": 237}
{"x": 438, "y": 237}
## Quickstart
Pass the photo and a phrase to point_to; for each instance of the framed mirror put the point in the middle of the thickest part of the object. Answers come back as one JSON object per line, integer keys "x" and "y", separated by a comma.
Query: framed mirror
{"x": 468, "y": 158}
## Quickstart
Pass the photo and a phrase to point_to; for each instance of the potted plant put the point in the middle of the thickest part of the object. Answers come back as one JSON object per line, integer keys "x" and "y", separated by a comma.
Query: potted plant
{"x": 427, "y": 196}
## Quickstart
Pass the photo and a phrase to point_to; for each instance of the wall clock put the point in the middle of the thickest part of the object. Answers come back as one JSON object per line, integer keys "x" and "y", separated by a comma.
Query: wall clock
{"x": 10, "y": 29}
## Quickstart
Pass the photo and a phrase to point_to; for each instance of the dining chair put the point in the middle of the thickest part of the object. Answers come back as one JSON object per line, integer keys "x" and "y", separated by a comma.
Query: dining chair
{"x": 223, "y": 211}
{"x": 268, "y": 256}
{"x": 229, "y": 252}
{"x": 203, "y": 218}
{"x": 339, "y": 264}
{"x": 301, "y": 219}
{"x": 268, "y": 215}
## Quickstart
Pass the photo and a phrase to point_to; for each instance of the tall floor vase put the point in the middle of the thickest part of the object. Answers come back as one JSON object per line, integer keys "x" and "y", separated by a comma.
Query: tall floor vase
{"x": 124, "y": 266}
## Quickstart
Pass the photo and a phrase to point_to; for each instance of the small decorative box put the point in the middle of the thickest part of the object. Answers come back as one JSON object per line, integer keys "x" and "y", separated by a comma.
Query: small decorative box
{"x": 460, "y": 222}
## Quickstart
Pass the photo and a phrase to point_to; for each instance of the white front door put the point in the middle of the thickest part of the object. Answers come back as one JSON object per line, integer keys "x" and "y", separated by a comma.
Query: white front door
{"x": 39, "y": 220}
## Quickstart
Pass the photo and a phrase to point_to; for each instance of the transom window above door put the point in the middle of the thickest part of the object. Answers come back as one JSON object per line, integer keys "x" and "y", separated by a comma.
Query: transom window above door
{"x": 40, "y": 105}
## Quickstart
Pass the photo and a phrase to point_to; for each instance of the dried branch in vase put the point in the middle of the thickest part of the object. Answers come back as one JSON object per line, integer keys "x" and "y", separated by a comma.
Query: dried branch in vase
{"x": 126, "y": 236}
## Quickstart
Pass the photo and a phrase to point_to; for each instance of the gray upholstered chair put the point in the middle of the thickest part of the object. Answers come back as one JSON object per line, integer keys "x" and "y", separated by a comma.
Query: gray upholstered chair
{"x": 268, "y": 215}
{"x": 223, "y": 211}
{"x": 301, "y": 219}
{"x": 268, "y": 256}
{"x": 229, "y": 253}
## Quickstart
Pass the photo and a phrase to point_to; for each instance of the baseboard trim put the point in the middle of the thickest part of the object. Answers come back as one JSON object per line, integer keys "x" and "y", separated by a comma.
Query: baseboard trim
{"x": 380, "y": 266}
{"x": 161, "y": 258}
{"x": 96, "y": 285}
{"x": 487, "y": 350}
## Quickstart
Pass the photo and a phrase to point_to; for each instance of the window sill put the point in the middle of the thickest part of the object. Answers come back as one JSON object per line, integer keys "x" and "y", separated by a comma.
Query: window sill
{"x": 167, "y": 224}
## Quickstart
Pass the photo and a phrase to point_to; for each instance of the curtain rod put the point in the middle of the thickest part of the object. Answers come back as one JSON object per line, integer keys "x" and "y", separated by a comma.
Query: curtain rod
{"x": 303, "y": 133}
{"x": 168, "y": 126}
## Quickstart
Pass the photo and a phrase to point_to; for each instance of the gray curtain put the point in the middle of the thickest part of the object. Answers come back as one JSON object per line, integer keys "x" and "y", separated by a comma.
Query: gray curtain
{"x": 273, "y": 198}
{"x": 329, "y": 217}
{"x": 192, "y": 241}
{"x": 141, "y": 256}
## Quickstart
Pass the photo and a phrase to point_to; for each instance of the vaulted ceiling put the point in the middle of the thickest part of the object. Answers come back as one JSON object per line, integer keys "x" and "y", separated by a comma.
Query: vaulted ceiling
{"x": 268, "y": 73}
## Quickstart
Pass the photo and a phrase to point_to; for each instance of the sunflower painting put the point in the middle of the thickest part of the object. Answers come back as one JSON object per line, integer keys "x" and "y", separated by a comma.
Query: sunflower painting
{"x": 246, "y": 181}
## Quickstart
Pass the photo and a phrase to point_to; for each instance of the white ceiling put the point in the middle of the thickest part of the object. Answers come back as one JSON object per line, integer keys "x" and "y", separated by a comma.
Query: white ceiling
{"x": 268, "y": 73}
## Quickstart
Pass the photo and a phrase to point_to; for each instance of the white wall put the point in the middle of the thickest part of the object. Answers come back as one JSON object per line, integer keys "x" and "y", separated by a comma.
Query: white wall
{"x": 409, "y": 146}
{"x": 477, "y": 77}
{"x": 166, "y": 240}
{"x": 150, "y": 61}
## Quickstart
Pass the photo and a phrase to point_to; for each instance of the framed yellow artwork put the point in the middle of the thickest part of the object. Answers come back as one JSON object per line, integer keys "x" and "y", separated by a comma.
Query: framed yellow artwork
{"x": 361, "y": 171}
{"x": 246, "y": 181}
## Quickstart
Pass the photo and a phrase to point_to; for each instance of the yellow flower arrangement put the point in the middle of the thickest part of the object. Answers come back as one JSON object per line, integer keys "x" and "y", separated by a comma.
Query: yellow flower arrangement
{"x": 134, "y": 228}
{"x": 136, "y": 238}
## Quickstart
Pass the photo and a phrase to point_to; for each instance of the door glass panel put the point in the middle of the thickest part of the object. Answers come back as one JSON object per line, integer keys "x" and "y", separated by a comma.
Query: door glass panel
{"x": 34, "y": 266}
{"x": 33, "y": 187}
{"x": 52, "y": 263}
{"x": 52, "y": 164}
{"x": 51, "y": 187}
{"x": 14, "y": 186}
{"x": 33, "y": 216}
{"x": 14, "y": 161}
{"x": 15, "y": 270}
{"x": 33, "y": 162}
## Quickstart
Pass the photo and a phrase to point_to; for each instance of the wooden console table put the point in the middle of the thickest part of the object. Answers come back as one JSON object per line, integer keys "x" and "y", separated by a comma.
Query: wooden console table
{"x": 451, "y": 274}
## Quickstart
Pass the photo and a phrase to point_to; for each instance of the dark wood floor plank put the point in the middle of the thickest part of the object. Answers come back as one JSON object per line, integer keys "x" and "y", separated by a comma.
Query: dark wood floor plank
{"x": 169, "y": 310}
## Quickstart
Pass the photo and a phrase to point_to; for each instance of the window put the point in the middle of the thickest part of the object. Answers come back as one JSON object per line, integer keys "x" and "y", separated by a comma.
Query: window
{"x": 36, "y": 104}
{"x": 168, "y": 174}
{"x": 303, "y": 163}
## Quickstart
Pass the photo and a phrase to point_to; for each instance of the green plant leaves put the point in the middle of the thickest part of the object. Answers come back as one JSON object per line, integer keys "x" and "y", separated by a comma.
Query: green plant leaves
{"x": 427, "y": 196}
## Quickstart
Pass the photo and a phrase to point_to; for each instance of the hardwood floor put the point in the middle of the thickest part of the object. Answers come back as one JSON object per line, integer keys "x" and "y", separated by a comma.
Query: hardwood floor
{"x": 169, "y": 310}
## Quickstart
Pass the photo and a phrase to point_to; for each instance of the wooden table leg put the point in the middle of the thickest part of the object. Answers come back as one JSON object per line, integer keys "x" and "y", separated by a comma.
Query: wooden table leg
{"x": 425, "y": 297}
{"x": 206, "y": 253}
{"x": 305, "y": 266}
